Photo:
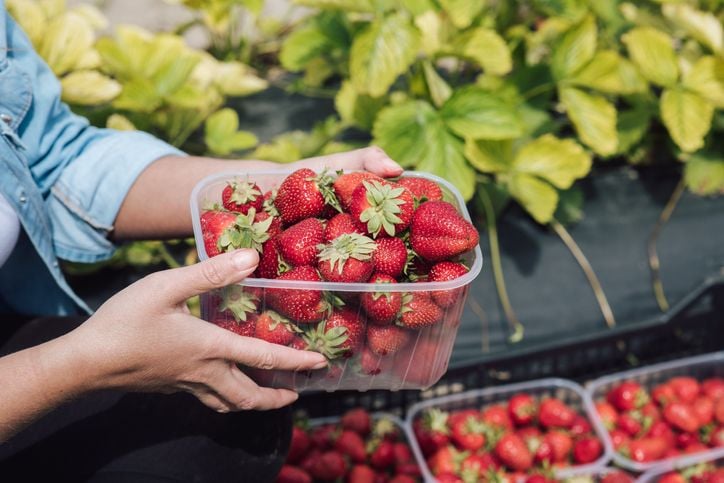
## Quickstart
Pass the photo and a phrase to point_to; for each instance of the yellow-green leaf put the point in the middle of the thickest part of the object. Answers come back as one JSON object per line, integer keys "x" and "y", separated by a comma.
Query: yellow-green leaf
{"x": 632, "y": 126}
{"x": 30, "y": 17}
{"x": 575, "y": 49}
{"x": 706, "y": 78}
{"x": 381, "y": 53}
{"x": 303, "y": 45}
{"x": 462, "y": 12}
{"x": 357, "y": 109}
{"x": 687, "y": 116}
{"x": 439, "y": 90}
{"x": 610, "y": 73}
{"x": 475, "y": 113}
{"x": 172, "y": 75}
{"x": 489, "y": 50}
{"x": 430, "y": 26}
{"x": 653, "y": 53}
{"x": 537, "y": 197}
{"x": 89, "y": 88}
{"x": 346, "y": 5}
{"x": 65, "y": 40}
{"x": 222, "y": 136}
{"x": 138, "y": 95}
{"x": 237, "y": 79}
{"x": 593, "y": 117}
{"x": 559, "y": 161}
{"x": 489, "y": 156}
{"x": 704, "y": 174}
{"x": 703, "y": 26}
{"x": 119, "y": 122}
{"x": 92, "y": 15}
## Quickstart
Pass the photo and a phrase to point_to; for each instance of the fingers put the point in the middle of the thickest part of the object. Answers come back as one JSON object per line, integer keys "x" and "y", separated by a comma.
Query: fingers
{"x": 243, "y": 394}
{"x": 372, "y": 159}
{"x": 179, "y": 284}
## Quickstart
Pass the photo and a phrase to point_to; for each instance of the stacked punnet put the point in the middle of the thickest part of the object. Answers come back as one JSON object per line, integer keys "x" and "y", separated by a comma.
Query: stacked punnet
{"x": 371, "y": 272}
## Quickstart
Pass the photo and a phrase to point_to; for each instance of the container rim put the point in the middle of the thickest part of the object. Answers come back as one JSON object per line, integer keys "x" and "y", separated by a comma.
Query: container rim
{"x": 680, "y": 463}
{"x": 466, "y": 279}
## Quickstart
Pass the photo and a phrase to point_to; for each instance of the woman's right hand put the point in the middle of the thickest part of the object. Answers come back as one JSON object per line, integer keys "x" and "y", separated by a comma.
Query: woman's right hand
{"x": 144, "y": 339}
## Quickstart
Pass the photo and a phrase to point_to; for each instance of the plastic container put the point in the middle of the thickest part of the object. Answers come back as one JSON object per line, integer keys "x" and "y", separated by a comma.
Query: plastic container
{"x": 569, "y": 392}
{"x": 653, "y": 475}
{"x": 699, "y": 367}
{"x": 599, "y": 476}
{"x": 418, "y": 365}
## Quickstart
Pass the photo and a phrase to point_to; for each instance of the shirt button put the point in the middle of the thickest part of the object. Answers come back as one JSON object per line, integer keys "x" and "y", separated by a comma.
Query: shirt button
{"x": 23, "y": 198}
{"x": 55, "y": 263}
{"x": 6, "y": 118}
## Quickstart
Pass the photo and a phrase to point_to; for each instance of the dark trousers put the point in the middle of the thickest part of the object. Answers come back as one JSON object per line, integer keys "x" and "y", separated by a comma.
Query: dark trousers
{"x": 111, "y": 436}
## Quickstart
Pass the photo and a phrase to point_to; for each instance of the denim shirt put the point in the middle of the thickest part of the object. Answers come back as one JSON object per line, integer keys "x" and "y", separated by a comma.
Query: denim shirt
{"x": 65, "y": 179}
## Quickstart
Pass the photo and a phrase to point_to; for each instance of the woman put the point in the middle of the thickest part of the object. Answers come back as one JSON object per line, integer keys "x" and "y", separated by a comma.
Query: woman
{"x": 68, "y": 406}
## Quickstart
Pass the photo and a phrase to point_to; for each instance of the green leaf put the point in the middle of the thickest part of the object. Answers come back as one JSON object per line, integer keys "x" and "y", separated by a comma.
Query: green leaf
{"x": 704, "y": 173}
{"x": 89, "y": 88}
{"x": 706, "y": 78}
{"x": 303, "y": 45}
{"x": 65, "y": 40}
{"x": 703, "y": 26}
{"x": 633, "y": 125}
{"x": 653, "y": 53}
{"x": 138, "y": 95}
{"x": 119, "y": 123}
{"x": 462, "y": 12}
{"x": 31, "y": 18}
{"x": 430, "y": 26}
{"x": 570, "y": 206}
{"x": 222, "y": 136}
{"x": 687, "y": 116}
{"x": 575, "y": 49}
{"x": 439, "y": 90}
{"x": 346, "y": 5}
{"x": 487, "y": 48}
{"x": 489, "y": 156}
{"x": 381, "y": 53}
{"x": 537, "y": 197}
{"x": 496, "y": 193}
{"x": 418, "y": 7}
{"x": 610, "y": 73}
{"x": 475, "y": 113}
{"x": 357, "y": 109}
{"x": 172, "y": 75}
{"x": 414, "y": 134}
{"x": 593, "y": 117}
{"x": 558, "y": 161}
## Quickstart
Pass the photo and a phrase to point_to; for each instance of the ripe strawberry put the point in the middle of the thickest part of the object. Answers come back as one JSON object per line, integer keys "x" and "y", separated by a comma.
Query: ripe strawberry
{"x": 587, "y": 450}
{"x": 646, "y": 449}
{"x": 268, "y": 205}
{"x": 497, "y": 417}
{"x": 351, "y": 445}
{"x": 300, "y": 305}
{"x": 561, "y": 445}
{"x": 431, "y": 431}
{"x": 608, "y": 414}
{"x": 340, "y": 224}
{"x": 580, "y": 426}
{"x": 330, "y": 466}
{"x": 685, "y": 439}
{"x": 339, "y": 336}
{"x": 304, "y": 194}
{"x": 370, "y": 363}
{"x": 271, "y": 264}
{"x": 213, "y": 226}
{"x": 358, "y": 420}
{"x": 681, "y": 416}
{"x": 617, "y": 476}
{"x": 719, "y": 411}
{"x": 275, "y": 227}
{"x": 361, "y": 474}
{"x": 438, "y": 232}
{"x": 382, "y": 454}
{"x": 686, "y": 388}
{"x": 554, "y": 413}
{"x": 672, "y": 477}
{"x": 403, "y": 478}
{"x": 347, "y": 258}
{"x": 422, "y": 189}
{"x": 402, "y": 454}
{"x": 386, "y": 340}
{"x": 663, "y": 394}
{"x": 381, "y": 209}
{"x": 444, "y": 271}
{"x": 346, "y": 183}
{"x": 630, "y": 423}
{"x": 695, "y": 447}
{"x": 539, "y": 478}
{"x": 299, "y": 446}
{"x": 390, "y": 257}
{"x": 382, "y": 308}
{"x": 512, "y": 451}
{"x": 713, "y": 387}
{"x": 425, "y": 364}
{"x": 661, "y": 429}
{"x": 468, "y": 433}
{"x": 420, "y": 311}
{"x": 292, "y": 474}
{"x": 324, "y": 436}
{"x": 543, "y": 452}
{"x": 238, "y": 303}
{"x": 703, "y": 407}
{"x": 627, "y": 396}
{"x": 225, "y": 231}
{"x": 245, "y": 329}
{"x": 448, "y": 478}
{"x": 475, "y": 466}
{"x": 240, "y": 196}
{"x": 522, "y": 409}
{"x": 445, "y": 460}
{"x": 298, "y": 244}
{"x": 272, "y": 327}
{"x": 619, "y": 438}
{"x": 716, "y": 438}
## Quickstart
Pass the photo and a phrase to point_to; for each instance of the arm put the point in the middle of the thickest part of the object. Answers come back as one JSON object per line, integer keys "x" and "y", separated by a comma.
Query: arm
{"x": 169, "y": 181}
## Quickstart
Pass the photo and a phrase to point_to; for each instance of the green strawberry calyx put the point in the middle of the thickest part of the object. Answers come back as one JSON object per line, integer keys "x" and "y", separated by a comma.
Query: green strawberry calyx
{"x": 344, "y": 247}
{"x": 325, "y": 184}
{"x": 243, "y": 192}
{"x": 385, "y": 202}
{"x": 238, "y": 301}
{"x": 327, "y": 342}
{"x": 269, "y": 205}
{"x": 278, "y": 320}
{"x": 245, "y": 233}
{"x": 436, "y": 420}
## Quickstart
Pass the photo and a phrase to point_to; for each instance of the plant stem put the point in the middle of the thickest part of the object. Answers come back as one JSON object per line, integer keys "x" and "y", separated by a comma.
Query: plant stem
{"x": 654, "y": 263}
{"x": 537, "y": 90}
{"x": 587, "y": 270}
{"x": 167, "y": 257}
{"x": 516, "y": 327}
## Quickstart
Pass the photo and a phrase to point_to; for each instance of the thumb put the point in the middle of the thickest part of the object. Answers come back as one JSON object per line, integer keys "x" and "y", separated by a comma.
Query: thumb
{"x": 217, "y": 272}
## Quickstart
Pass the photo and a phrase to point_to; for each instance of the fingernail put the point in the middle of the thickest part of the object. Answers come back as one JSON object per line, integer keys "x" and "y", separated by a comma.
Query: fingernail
{"x": 321, "y": 364}
{"x": 245, "y": 259}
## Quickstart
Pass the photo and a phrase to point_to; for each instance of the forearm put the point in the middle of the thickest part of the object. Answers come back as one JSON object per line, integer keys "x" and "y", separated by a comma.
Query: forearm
{"x": 38, "y": 379}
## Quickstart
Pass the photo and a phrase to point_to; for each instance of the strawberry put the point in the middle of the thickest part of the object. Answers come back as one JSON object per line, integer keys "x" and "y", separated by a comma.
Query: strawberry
{"x": 390, "y": 257}
{"x": 339, "y": 336}
{"x": 382, "y": 454}
{"x": 716, "y": 438}
{"x": 304, "y": 194}
{"x": 719, "y": 411}
{"x": 340, "y": 224}
{"x": 660, "y": 429}
{"x": 561, "y": 445}
{"x": 627, "y": 396}
{"x": 617, "y": 476}
{"x": 539, "y": 478}
{"x": 330, "y": 466}
{"x": 370, "y": 363}
{"x": 245, "y": 329}
{"x": 468, "y": 433}
{"x": 403, "y": 478}
{"x": 268, "y": 205}
{"x": 512, "y": 451}
{"x": 543, "y": 452}
{"x": 703, "y": 407}
{"x": 272, "y": 327}
{"x": 431, "y": 431}
{"x": 222, "y": 233}
{"x": 554, "y": 413}
{"x": 685, "y": 439}
{"x": 476, "y": 465}
{"x": 214, "y": 225}
{"x": 646, "y": 449}
{"x": 386, "y": 340}
{"x": 445, "y": 460}
{"x": 497, "y": 417}
{"x": 300, "y": 305}
{"x": 357, "y": 420}
{"x": 345, "y": 185}
{"x": 619, "y": 438}
{"x": 275, "y": 227}
{"x": 292, "y": 474}
{"x": 681, "y": 416}
{"x": 686, "y": 388}
{"x": 361, "y": 474}
{"x": 448, "y": 478}
{"x": 587, "y": 450}
{"x": 323, "y": 436}
{"x": 382, "y": 308}
{"x": 580, "y": 426}
{"x": 352, "y": 445}
{"x": 444, "y": 271}
{"x": 347, "y": 258}
{"x": 299, "y": 446}
{"x": 422, "y": 189}
{"x": 425, "y": 365}
{"x": 298, "y": 244}
{"x": 695, "y": 447}
{"x": 672, "y": 477}
{"x": 438, "y": 232}
{"x": 522, "y": 409}
{"x": 271, "y": 264}
{"x": 608, "y": 414}
{"x": 630, "y": 423}
{"x": 402, "y": 454}
{"x": 420, "y": 311}
{"x": 663, "y": 394}
{"x": 713, "y": 387}
{"x": 381, "y": 209}
{"x": 238, "y": 302}
{"x": 240, "y": 196}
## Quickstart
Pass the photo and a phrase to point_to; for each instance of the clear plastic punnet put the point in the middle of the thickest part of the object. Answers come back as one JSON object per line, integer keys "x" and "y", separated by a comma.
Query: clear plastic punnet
{"x": 684, "y": 463}
{"x": 417, "y": 365}
{"x": 567, "y": 391}
{"x": 699, "y": 367}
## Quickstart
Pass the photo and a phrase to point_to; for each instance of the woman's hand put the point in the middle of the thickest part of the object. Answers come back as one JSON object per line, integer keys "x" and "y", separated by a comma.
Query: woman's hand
{"x": 144, "y": 339}
{"x": 372, "y": 159}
